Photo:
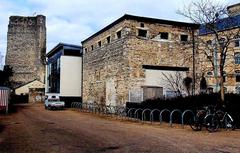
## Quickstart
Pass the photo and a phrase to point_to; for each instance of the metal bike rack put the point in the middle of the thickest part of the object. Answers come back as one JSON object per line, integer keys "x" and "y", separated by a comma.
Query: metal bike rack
{"x": 175, "y": 110}
{"x": 185, "y": 112}
{"x": 152, "y": 114}
{"x": 160, "y": 115}
{"x": 137, "y": 112}
{"x": 144, "y": 115}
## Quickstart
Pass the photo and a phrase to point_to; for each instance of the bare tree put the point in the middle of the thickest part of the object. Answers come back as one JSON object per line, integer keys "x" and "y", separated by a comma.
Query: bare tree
{"x": 217, "y": 32}
{"x": 177, "y": 83}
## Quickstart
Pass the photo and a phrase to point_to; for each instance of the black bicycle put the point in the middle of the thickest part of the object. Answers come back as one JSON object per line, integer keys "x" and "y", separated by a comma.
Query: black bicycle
{"x": 212, "y": 120}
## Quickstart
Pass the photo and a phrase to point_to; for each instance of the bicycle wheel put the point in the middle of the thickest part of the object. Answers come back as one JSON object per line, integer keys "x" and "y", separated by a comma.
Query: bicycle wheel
{"x": 229, "y": 123}
{"x": 212, "y": 123}
{"x": 195, "y": 124}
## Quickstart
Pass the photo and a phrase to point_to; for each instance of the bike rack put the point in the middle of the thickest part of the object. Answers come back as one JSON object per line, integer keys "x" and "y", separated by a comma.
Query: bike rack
{"x": 160, "y": 115}
{"x": 144, "y": 115}
{"x": 129, "y": 114}
{"x": 152, "y": 114}
{"x": 136, "y": 113}
{"x": 175, "y": 110}
{"x": 185, "y": 112}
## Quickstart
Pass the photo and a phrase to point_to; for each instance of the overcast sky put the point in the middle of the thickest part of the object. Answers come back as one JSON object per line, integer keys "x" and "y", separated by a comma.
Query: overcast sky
{"x": 71, "y": 21}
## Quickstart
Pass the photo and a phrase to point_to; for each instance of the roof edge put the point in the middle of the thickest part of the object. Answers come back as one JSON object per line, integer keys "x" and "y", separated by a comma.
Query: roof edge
{"x": 142, "y": 19}
{"x": 60, "y": 45}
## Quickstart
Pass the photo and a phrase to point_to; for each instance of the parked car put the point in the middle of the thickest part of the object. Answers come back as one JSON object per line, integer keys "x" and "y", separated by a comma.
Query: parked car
{"x": 53, "y": 102}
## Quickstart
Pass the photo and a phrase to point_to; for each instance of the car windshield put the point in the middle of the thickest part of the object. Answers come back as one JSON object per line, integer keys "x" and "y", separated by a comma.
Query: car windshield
{"x": 53, "y": 100}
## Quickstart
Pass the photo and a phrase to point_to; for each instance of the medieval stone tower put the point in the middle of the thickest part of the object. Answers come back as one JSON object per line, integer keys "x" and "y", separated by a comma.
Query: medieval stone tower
{"x": 26, "y": 48}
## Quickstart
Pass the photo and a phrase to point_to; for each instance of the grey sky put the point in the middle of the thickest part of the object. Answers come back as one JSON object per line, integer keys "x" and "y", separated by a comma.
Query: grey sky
{"x": 71, "y": 21}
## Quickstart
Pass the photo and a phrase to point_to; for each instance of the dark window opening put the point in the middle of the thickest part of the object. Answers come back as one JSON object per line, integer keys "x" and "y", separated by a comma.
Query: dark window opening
{"x": 237, "y": 43}
{"x": 238, "y": 78}
{"x": 99, "y": 44}
{"x": 92, "y": 47}
{"x": 119, "y": 34}
{"x": 163, "y": 35}
{"x": 142, "y": 25}
{"x": 142, "y": 33}
{"x": 108, "y": 39}
{"x": 184, "y": 38}
{"x": 209, "y": 42}
{"x": 237, "y": 58}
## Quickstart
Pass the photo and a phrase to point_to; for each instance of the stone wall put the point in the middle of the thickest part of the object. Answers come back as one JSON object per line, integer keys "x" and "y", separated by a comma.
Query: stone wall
{"x": 26, "y": 48}
{"x": 111, "y": 70}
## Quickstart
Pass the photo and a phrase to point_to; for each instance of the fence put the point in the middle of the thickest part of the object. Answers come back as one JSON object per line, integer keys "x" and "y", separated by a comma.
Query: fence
{"x": 4, "y": 98}
{"x": 136, "y": 114}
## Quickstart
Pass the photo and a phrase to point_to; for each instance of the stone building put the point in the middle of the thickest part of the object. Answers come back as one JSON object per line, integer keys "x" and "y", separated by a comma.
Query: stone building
{"x": 133, "y": 58}
{"x": 209, "y": 56}
{"x": 26, "y": 48}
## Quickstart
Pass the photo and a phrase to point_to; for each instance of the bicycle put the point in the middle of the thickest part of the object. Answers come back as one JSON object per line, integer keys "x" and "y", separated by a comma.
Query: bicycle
{"x": 205, "y": 118}
{"x": 225, "y": 119}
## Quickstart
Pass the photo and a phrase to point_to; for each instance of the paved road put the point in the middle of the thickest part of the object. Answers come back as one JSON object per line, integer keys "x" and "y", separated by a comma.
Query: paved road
{"x": 33, "y": 129}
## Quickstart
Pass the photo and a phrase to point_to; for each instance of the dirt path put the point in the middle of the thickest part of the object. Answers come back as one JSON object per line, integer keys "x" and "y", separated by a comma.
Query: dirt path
{"x": 33, "y": 129}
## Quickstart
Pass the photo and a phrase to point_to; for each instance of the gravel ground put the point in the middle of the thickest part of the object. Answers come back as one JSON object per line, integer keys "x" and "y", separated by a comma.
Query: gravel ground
{"x": 34, "y": 129}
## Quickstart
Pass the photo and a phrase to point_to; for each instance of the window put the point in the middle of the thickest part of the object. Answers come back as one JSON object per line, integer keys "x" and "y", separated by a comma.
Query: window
{"x": 86, "y": 50}
{"x": 237, "y": 58}
{"x": 209, "y": 73}
{"x": 184, "y": 38}
{"x": 99, "y": 44}
{"x": 119, "y": 34}
{"x": 237, "y": 74}
{"x": 163, "y": 35}
{"x": 142, "y": 33}
{"x": 92, "y": 47}
{"x": 142, "y": 25}
{"x": 108, "y": 39}
{"x": 209, "y": 42}
{"x": 237, "y": 41}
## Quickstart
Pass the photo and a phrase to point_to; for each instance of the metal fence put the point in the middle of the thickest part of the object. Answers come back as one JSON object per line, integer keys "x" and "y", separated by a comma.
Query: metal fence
{"x": 136, "y": 114}
{"x": 4, "y": 98}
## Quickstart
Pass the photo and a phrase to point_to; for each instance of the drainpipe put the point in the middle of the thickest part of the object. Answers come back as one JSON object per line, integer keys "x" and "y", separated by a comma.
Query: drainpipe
{"x": 193, "y": 52}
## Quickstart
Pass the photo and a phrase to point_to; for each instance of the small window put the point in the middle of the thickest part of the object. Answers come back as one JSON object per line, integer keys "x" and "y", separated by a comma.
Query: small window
{"x": 86, "y": 50}
{"x": 237, "y": 74}
{"x": 92, "y": 47}
{"x": 108, "y": 39}
{"x": 237, "y": 58}
{"x": 142, "y": 33}
{"x": 119, "y": 34}
{"x": 99, "y": 44}
{"x": 209, "y": 73}
{"x": 209, "y": 42}
{"x": 142, "y": 25}
{"x": 163, "y": 35}
{"x": 237, "y": 43}
{"x": 184, "y": 38}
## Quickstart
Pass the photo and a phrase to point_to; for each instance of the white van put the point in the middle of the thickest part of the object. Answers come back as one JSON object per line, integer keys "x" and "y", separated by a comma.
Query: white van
{"x": 52, "y": 101}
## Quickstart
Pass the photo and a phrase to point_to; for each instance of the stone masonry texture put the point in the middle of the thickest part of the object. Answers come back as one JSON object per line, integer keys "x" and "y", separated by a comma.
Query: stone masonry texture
{"x": 119, "y": 63}
{"x": 26, "y": 48}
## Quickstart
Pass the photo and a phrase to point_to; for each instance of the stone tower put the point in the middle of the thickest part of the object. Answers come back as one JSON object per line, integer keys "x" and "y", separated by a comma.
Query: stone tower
{"x": 26, "y": 48}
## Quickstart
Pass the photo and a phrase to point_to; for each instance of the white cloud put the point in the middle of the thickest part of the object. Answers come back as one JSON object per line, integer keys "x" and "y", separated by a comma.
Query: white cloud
{"x": 71, "y": 21}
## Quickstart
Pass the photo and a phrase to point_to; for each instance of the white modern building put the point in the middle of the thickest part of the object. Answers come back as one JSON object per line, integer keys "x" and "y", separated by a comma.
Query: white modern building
{"x": 64, "y": 72}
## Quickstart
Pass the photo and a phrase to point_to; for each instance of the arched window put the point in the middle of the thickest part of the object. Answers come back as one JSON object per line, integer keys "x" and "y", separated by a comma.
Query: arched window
{"x": 237, "y": 58}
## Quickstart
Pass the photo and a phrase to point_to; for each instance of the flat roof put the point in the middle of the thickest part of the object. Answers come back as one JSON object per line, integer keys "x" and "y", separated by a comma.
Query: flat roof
{"x": 51, "y": 52}
{"x": 143, "y": 19}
